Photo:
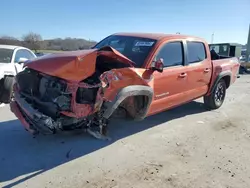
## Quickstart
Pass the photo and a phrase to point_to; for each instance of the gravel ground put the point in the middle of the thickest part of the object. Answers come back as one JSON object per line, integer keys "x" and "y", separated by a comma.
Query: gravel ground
{"x": 186, "y": 147}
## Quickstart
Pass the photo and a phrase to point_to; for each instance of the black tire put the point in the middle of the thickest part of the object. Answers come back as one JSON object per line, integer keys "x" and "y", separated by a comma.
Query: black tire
{"x": 6, "y": 89}
{"x": 217, "y": 97}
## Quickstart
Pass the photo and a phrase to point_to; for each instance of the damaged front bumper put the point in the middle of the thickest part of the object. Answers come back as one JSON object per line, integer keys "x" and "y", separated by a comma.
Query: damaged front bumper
{"x": 36, "y": 122}
{"x": 33, "y": 120}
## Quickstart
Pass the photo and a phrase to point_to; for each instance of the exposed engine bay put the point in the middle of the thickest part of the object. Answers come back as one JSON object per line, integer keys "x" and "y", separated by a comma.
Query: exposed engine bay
{"x": 55, "y": 104}
{"x": 48, "y": 94}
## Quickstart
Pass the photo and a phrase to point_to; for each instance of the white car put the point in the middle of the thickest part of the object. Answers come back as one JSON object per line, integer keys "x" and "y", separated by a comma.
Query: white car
{"x": 11, "y": 62}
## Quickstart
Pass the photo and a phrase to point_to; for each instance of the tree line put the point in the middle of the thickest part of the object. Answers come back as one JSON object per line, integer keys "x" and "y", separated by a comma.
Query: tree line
{"x": 35, "y": 42}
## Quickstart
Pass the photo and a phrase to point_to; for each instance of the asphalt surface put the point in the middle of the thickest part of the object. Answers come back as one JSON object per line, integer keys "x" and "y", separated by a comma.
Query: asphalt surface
{"x": 185, "y": 147}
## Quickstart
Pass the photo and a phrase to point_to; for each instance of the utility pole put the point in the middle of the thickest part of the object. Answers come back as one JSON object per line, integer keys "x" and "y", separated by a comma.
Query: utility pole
{"x": 248, "y": 46}
{"x": 212, "y": 38}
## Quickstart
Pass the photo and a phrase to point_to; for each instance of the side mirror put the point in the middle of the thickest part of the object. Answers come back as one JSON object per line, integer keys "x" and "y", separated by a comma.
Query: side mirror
{"x": 22, "y": 60}
{"x": 157, "y": 65}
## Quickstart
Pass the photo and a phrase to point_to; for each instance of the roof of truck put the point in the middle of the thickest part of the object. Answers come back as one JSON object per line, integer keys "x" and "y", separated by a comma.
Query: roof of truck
{"x": 157, "y": 36}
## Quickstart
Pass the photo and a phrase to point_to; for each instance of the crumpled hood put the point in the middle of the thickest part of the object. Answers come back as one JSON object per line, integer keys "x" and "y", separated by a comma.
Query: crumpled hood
{"x": 74, "y": 66}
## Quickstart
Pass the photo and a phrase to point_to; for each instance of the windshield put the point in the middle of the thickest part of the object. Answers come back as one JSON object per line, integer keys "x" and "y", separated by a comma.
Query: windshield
{"x": 134, "y": 48}
{"x": 5, "y": 55}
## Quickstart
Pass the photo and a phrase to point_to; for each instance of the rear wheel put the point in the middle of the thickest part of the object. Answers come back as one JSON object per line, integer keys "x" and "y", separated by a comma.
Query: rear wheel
{"x": 217, "y": 97}
{"x": 6, "y": 89}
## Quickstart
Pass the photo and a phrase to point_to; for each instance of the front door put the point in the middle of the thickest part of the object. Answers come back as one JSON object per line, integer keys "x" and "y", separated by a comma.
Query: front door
{"x": 171, "y": 84}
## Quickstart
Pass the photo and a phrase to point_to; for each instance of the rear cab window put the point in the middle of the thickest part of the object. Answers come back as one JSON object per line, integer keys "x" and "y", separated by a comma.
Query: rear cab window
{"x": 196, "y": 52}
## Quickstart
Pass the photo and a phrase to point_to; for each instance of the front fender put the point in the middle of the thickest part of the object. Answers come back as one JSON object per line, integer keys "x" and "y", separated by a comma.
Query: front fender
{"x": 134, "y": 90}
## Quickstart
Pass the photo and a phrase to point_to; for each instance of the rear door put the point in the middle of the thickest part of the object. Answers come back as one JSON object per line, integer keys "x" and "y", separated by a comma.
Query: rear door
{"x": 198, "y": 69}
{"x": 169, "y": 85}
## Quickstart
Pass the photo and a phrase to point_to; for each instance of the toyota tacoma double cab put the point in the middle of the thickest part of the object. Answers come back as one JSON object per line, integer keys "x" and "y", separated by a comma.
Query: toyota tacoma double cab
{"x": 138, "y": 74}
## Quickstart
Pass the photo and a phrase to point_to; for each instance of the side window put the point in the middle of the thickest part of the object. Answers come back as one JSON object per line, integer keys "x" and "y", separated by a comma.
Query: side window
{"x": 18, "y": 55}
{"x": 28, "y": 54}
{"x": 22, "y": 53}
{"x": 196, "y": 52}
{"x": 171, "y": 53}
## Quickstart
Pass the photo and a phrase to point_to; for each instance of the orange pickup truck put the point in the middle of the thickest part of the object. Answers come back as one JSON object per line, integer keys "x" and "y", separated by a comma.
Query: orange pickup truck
{"x": 139, "y": 74}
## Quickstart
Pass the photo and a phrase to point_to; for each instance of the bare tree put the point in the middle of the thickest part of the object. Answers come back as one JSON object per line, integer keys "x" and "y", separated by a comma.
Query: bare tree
{"x": 32, "y": 40}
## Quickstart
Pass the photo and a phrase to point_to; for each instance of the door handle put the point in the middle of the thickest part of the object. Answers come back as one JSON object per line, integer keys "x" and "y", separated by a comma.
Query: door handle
{"x": 206, "y": 70}
{"x": 183, "y": 75}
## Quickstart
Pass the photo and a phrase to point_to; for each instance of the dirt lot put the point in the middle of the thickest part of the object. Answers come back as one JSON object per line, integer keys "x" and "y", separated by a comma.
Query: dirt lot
{"x": 186, "y": 147}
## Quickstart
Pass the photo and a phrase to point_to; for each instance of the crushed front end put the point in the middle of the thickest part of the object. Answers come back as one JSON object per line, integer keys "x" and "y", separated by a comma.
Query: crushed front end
{"x": 47, "y": 104}
{"x": 70, "y": 90}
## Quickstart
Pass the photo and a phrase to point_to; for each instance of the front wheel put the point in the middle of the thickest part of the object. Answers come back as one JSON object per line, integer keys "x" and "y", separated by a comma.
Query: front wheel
{"x": 217, "y": 97}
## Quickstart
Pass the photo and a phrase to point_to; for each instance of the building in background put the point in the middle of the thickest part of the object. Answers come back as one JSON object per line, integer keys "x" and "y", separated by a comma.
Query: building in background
{"x": 227, "y": 49}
